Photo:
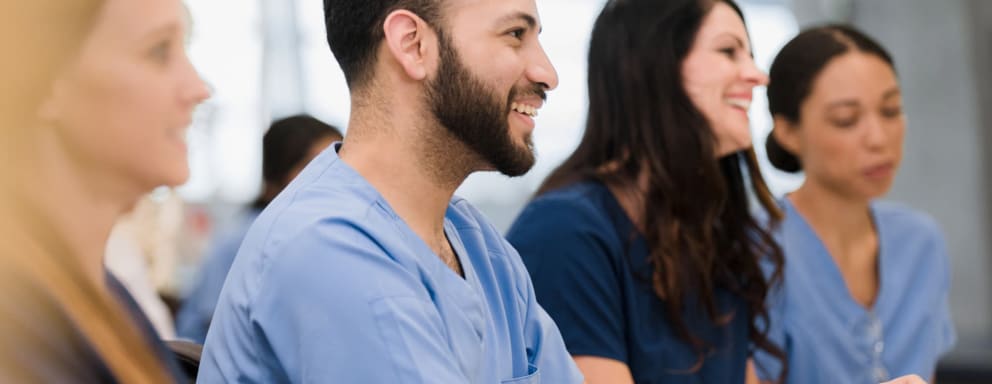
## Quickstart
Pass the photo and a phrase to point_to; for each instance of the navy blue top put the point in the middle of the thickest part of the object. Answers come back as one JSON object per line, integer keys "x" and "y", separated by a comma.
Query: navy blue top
{"x": 40, "y": 343}
{"x": 590, "y": 271}
{"x": 146, "y": 328}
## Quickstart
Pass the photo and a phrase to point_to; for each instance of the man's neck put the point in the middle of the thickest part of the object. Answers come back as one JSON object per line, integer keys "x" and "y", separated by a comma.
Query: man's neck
{"x": 416, "y": 174}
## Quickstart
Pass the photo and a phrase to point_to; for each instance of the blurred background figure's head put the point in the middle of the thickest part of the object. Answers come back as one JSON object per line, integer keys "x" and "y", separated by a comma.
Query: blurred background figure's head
{"x": 837, "y": 107}
{"x": 287, "y": 147}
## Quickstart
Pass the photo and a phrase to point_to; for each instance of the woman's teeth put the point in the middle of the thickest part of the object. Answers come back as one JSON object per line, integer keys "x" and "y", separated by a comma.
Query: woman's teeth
{"x": 740, "y": 103}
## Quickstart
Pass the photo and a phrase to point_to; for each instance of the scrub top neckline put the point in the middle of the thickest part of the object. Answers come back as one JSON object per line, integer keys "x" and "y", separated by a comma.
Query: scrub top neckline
{"x": 422, "y": 249}
{"x": 827, "y": 262}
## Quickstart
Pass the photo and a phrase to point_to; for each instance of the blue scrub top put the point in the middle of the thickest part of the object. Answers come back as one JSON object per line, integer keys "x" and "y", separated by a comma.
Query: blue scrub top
{"x": 331, "y": 286}
{"x": 829, "y": 337}
{"x": 198, "y": 307}
{"x": 591, "y": 272}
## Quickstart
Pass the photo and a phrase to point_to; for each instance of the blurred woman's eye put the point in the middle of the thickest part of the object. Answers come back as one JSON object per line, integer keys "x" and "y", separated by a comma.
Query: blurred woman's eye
{"x": 844, "y": 121}
{"x": 161, "y": 51}
{"x": 892, "y": 112}
{"x": 730, "y": 52}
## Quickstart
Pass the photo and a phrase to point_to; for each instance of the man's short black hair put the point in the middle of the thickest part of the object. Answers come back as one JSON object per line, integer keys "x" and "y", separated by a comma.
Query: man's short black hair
{"x": 354, "y": 31}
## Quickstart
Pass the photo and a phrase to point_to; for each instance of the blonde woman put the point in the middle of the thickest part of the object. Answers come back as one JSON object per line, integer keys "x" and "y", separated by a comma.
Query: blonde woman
{"x": 95, "y": 101}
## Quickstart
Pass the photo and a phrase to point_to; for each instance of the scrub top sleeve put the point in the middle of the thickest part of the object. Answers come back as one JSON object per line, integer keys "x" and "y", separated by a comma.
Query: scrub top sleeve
{"x": 948, "y": 336}
{"x": 567, "y": 252}
{"x": 333, "y": 307}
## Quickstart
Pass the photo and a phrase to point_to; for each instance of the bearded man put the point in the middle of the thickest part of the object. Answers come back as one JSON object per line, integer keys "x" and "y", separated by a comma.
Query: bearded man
{"x": 366, "y": 269}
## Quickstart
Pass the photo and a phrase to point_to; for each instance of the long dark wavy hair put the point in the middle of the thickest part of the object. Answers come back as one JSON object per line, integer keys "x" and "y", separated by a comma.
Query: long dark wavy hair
{"x": 644, "y": 134}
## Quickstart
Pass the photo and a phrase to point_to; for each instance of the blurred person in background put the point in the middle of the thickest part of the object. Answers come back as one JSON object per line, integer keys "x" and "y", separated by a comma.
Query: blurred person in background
{"x": 865, "y": 294}
{"x": 96, "y": 98}
{"x": 641, "y": 244}
{"x": 287, "y": 147}
{"x": 142, "y": 252}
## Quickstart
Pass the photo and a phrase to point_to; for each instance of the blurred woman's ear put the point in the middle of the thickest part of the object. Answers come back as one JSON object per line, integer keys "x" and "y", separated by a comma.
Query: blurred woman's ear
{"x": 786, "y": 133}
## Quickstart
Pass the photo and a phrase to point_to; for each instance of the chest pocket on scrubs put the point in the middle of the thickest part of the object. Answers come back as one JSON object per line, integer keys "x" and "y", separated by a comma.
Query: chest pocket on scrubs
{"x": 533, "y": 377}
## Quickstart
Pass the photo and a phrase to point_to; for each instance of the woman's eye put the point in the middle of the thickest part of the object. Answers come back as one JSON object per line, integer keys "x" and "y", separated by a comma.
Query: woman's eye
{"x": 160, "y": 52}
{"x": 845, "y": 123}
{"x": 892, "y": 112}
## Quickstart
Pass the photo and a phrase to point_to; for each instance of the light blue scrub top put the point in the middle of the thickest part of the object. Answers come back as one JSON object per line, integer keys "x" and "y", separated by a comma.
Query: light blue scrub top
{"x": 198, "y": 307}
{"x": 331, "y": 286}
{"x": 829, "y": 337}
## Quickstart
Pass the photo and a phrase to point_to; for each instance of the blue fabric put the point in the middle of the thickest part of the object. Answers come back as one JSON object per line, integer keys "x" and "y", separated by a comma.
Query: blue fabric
{"x": 198, "y": 307}
{"x": 829, "y": 337}
{"x": 146, "y": 328}
{"x": 331, "y": 286}
{"x": 591, "y": 273}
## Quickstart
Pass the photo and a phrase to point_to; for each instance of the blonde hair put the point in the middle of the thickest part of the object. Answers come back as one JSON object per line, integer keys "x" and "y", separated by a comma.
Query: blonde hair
{"x": 40, "y": 274}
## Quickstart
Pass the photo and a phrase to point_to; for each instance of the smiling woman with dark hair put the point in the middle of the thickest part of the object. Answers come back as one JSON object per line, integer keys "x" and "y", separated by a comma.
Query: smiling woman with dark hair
{"x": 641, "y": 245}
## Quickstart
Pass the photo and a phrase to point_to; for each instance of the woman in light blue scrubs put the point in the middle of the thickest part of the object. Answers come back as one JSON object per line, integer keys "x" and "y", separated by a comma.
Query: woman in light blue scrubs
{"x": 864, "y": 297}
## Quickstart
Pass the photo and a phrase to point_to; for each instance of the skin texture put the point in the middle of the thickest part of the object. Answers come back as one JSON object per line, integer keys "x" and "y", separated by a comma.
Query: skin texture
{"x": 123, "y": 107}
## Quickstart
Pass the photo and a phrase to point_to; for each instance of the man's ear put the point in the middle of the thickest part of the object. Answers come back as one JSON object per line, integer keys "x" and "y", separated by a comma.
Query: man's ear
{"x": 786, "y": 133}
{"x": 410, "y": 41}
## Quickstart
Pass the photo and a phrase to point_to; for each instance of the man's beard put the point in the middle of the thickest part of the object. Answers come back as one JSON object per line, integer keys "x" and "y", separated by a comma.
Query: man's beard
{"x": 476, "y": 116}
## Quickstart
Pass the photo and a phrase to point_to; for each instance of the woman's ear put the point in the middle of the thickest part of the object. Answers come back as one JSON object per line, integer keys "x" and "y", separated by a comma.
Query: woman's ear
{"x": 786, "y": 134}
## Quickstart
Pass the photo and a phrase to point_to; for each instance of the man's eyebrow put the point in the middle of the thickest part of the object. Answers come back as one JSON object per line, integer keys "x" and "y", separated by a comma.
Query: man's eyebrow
{"x": 519, "y": 16}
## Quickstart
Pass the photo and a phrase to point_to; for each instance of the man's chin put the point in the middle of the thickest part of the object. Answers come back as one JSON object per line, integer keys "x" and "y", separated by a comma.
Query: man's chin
{"x": 519, "y": 165}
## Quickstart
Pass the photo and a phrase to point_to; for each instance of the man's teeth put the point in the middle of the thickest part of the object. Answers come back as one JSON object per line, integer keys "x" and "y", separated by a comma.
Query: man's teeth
{"x": 524, "y": 108}
{"x": 744, "y": 104}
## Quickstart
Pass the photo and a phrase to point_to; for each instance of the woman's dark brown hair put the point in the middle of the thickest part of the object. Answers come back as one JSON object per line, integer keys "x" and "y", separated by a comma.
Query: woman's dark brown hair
{"x": 796, "y": 68}
{"x": 644, "y": 134}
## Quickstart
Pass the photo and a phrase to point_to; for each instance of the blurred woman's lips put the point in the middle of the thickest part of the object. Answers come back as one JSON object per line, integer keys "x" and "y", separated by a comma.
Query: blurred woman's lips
{"x": 880, "y": 171}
